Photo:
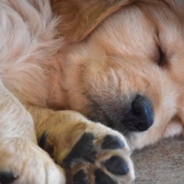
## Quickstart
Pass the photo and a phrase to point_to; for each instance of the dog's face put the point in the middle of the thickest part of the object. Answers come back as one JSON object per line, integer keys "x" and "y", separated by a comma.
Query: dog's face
{"x": 124, "y": 75}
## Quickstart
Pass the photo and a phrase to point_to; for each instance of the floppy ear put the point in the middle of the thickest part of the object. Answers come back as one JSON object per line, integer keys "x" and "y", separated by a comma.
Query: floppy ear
{"x": 79, "y": 17}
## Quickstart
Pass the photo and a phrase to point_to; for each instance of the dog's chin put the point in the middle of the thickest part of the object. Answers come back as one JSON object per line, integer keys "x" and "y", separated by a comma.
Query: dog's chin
{"x": 136, "y": 139}
{"x": 118, "y": 126}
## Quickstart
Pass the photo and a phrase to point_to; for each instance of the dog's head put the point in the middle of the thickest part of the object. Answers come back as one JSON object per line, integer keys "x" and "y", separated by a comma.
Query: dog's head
{"x": 125, "y": 67}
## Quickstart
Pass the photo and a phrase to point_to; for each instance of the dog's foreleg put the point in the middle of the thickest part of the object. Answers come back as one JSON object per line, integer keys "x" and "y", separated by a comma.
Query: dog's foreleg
{"x": 21, "y": 159}
{"x": 15, "y": 121}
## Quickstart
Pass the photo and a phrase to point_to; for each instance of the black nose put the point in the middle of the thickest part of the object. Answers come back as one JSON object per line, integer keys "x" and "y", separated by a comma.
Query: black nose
{"x": 140, "y": 116}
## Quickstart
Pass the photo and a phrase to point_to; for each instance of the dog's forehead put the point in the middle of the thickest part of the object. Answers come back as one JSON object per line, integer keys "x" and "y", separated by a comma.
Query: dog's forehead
{"x": 126, "y": 31}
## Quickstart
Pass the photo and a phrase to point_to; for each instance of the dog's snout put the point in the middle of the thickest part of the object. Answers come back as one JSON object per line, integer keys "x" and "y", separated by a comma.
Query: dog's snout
{"x": 140, "y": 117}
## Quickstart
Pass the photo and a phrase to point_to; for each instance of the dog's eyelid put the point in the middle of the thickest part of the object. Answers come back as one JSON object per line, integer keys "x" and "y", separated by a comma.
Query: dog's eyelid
{"x": 162, "y": 61}
{"x": 162, "y": 58}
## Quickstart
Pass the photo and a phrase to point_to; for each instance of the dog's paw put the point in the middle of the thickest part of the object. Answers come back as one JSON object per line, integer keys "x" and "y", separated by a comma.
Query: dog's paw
{"x": 23, "y": 162}
{"x": 101, "y": 156}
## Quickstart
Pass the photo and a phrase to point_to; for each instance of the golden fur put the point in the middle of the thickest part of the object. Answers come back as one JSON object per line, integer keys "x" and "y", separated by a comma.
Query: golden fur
{"x": 91, "y": 57}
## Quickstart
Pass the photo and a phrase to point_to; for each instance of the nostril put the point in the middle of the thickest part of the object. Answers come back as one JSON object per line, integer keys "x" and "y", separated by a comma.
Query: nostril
{"x": 137, "y": 106}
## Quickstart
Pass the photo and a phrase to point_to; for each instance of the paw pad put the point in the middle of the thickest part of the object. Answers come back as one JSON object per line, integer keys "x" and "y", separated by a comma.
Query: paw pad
{"x": 112, "y": 142}
{"x": 83, "y": 151}
{"x": 102, "y": 178}
{"x": 116, "y": 165}
{"x": 7, "y": 177}
{"x": 80, "y": 177}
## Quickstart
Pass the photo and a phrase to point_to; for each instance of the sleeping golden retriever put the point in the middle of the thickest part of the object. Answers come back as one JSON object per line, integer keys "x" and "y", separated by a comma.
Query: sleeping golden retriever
{"x": 87, "y": 81}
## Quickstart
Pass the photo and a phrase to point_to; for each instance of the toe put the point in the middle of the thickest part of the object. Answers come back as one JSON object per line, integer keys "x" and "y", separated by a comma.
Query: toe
{"x": 112, "y": 142}
{"x": 117, "y": 165}
{"x": 103, "y": 178}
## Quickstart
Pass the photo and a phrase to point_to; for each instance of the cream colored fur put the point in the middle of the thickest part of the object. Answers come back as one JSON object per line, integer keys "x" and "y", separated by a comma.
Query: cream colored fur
{"x": 43, "y": 70}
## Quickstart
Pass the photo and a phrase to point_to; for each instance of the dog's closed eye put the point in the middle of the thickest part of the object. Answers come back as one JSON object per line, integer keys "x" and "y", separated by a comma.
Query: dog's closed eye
{"x": 162, "y": 60}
